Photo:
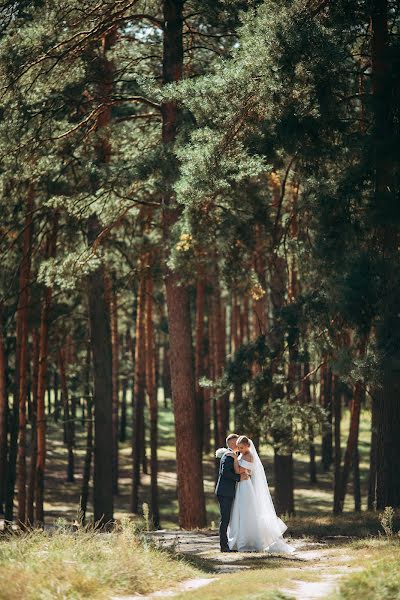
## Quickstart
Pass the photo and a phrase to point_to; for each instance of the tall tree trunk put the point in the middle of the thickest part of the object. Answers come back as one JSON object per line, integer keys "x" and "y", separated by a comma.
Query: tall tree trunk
{"x": 352, "y": 442}
{"x": 388, "y": 326}
{"x": 283, "y": 460}
{"x": 23, "y": 330}
{"x": 218, "y": 347}
{"x": 151, "y": 386}
{"x": 166, "y": 376}
{"x": 138, "y": 393}
{"x": 87, "y": 465}
{"x": 212, "y": 375}
{"x": 235, "y": 345}
{"x": 122, "y": 421}
{"x": 12, "y": 455}
{"x": 3, "y": 414}
{"x": 371, "y": 501}
{"x": 199, "y": 356}
{"x": 67, "y": 415}
{"x": 56, "y": 398}
{"x": 306, "y": 393}
{"x": 326, "y": 402}
{"x": 43, "y": 352}
{"x": 283, "y": 470}
{"x": 99, "y": 316}
{"x": 115, "y": 387}
{"x": 207, "y": 391}
{"x": 337, "y": 411}
{"x": 189, "y": 460}
{"x": 30, "y": 515}
{"x": 356, "y": 481}
{"x": 143, "y": 447}
{"x": 100, "y": 339}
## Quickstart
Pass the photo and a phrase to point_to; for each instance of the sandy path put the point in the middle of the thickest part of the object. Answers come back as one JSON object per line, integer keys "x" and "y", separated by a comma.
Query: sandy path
{"x": 320, "y": 559}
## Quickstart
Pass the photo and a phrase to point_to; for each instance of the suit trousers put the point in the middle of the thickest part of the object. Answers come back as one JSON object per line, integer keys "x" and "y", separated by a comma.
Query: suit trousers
{"x": 225, "y": 507}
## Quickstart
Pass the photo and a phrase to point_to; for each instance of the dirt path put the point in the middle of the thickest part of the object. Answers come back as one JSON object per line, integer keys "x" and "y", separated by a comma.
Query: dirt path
{"x": 317, "y": 567}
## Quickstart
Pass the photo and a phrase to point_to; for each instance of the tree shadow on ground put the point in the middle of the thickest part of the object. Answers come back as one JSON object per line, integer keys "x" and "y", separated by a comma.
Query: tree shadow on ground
{"x": 216, "y": 564}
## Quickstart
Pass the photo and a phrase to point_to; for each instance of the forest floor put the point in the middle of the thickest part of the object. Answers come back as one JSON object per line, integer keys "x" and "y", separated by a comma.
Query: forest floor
{"x": 313, "y": 501}
{"x": 315, "y": 571}
{"x": 329, "y": 549}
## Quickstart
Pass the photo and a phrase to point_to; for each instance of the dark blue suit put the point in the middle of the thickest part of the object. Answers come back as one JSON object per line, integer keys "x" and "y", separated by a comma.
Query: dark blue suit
{"x": 225, "y": 492}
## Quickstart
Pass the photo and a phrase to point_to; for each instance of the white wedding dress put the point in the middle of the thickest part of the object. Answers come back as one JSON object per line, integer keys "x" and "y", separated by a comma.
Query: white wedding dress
{"x": 254, "y": 525}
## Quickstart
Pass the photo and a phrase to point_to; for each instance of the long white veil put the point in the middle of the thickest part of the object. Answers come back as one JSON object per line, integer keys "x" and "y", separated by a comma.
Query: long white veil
{"x": 270, "y": 525}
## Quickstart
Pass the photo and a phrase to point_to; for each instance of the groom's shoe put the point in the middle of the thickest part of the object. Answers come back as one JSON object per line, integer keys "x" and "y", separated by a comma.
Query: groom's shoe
{"x": 227, "y": 550}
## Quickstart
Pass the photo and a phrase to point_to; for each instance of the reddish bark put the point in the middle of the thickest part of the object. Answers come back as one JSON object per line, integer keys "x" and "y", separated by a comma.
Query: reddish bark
{"x": 100, "y": 341}
{"x": 138, "y": 394}
{"x": 189, "y": 461}
{"x": 23, "y": 329}
{"x": 151, "y": 385}
{"x": 43, "y": 351}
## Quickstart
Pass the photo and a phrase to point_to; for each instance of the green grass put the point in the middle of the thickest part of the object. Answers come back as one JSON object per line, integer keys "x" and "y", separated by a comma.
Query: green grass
{"x": 380, "y": 577}
{"x": 85, "y": 564}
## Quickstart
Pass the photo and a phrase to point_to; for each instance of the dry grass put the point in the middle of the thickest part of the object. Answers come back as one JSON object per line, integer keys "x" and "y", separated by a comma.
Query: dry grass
{"x": 85, "y": 564}
{"x": 380, "y": 577}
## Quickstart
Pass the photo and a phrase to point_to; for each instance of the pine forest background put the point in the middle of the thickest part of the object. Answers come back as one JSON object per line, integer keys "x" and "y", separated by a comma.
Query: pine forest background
{"x": 200, "y": 219}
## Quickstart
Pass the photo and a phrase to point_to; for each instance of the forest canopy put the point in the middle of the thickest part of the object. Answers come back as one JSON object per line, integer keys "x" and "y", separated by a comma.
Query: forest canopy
{"x": 199, "y": 201}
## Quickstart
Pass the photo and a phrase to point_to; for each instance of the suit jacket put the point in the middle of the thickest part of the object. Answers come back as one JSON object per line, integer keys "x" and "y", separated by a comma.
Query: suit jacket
{"x": 227, "y": 478}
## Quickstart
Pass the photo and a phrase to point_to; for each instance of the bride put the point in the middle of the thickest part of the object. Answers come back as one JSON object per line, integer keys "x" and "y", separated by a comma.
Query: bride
{"x": 254, "y": 525}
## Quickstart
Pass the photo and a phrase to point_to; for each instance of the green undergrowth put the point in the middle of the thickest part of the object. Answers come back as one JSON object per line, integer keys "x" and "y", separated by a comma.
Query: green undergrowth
{"x": 379, "y": 578}
{"x": 85, "y": 564}
{"x": 324, "y": 525}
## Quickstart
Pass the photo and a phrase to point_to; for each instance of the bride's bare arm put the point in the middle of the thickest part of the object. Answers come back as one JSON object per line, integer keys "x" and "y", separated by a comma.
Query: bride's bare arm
{"x": 238, "y": 469}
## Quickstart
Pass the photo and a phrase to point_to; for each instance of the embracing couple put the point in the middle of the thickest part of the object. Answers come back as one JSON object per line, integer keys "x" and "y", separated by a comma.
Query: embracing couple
{"x": 248, "y": 519}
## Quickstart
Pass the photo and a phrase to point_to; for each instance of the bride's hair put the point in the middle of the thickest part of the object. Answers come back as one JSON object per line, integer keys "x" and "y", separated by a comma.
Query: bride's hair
{"x": 242, "y": 439}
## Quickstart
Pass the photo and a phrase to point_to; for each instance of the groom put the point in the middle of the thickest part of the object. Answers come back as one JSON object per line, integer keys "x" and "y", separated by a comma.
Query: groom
{"x": 226, "y": 488}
